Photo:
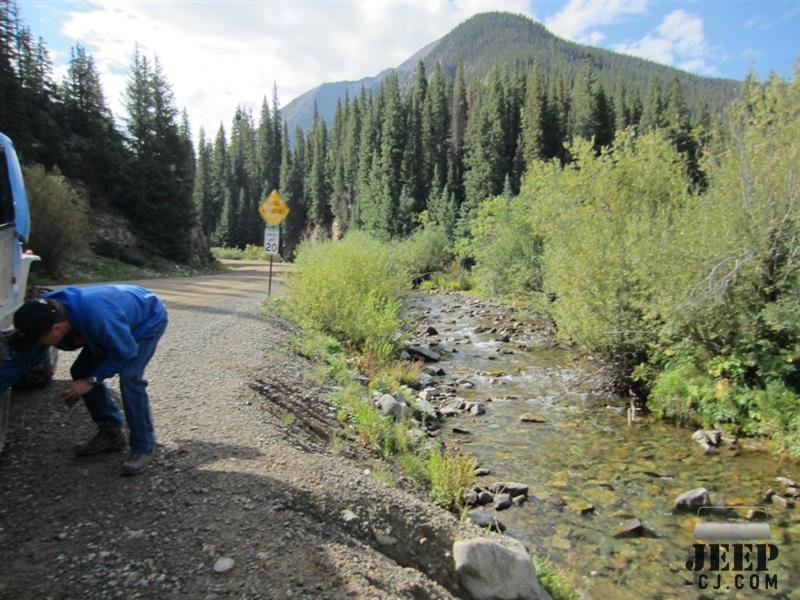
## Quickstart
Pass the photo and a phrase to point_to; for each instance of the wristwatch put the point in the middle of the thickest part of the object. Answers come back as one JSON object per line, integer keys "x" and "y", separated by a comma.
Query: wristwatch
{"x": 93, "y": 380}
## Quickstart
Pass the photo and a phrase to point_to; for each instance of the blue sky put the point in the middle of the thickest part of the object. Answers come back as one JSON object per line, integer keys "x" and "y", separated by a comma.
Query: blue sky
{"x": 220, "y": 54}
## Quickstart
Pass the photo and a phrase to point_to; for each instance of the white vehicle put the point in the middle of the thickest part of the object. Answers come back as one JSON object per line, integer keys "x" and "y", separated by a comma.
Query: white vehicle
{"x": 15, "y": 265}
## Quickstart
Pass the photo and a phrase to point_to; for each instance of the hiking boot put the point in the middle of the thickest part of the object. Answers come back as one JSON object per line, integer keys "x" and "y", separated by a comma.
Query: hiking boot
{"x": 136, "y": 463}
{"x": 107, "y": 439}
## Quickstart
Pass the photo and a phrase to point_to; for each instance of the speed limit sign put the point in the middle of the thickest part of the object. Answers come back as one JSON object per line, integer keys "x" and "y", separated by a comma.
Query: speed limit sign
{"x": 272, "y": 239}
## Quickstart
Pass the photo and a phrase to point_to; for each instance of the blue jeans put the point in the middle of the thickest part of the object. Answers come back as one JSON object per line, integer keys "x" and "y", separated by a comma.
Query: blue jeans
{"x": 134, "y": 394}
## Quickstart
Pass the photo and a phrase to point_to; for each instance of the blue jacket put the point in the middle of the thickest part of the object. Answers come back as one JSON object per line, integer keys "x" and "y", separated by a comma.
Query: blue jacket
{"x": 110, "y": 318}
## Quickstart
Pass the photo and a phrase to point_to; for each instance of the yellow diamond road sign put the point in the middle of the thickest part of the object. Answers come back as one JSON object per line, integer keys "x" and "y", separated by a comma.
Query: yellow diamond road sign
{"x": 273, "y": 210}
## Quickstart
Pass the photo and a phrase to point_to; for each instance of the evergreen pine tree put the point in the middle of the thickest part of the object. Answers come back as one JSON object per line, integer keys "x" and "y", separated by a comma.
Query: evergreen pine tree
{"x": 458, "y": 126}
{"x": 534, "y": 115}
{"x": 653, "y": 108}
{"x": 202, "y": 194}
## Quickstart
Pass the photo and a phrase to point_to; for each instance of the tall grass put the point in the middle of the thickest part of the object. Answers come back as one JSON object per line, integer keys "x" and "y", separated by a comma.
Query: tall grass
{"x": 451, "y": 473}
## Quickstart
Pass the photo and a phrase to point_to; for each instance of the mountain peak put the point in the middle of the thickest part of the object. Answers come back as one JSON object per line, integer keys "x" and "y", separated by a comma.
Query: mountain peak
{"x": 491, "y": 39}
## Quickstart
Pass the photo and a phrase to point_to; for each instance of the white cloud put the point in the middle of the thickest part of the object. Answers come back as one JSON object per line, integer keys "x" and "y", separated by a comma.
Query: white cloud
{"x": 678, "y": 41}
{"x": 218, "y": 55}
{"x": 578, "y": 17}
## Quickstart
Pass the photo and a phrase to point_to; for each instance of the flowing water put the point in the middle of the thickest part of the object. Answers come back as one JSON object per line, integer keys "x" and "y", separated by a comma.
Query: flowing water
{"x": 586, "y": 452}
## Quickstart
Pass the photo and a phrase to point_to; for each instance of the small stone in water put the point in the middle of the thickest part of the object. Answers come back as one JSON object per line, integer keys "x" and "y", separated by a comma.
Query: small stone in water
{"x": 528, "y": 418}
{"x": 630, "y": 528}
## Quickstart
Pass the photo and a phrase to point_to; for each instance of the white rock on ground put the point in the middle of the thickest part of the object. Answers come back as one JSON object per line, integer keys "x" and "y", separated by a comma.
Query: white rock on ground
{"x": 491, "y": 569}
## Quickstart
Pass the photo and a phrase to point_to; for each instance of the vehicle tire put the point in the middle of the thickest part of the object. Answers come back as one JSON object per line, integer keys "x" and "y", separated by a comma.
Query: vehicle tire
{"x": 40, "y": 374}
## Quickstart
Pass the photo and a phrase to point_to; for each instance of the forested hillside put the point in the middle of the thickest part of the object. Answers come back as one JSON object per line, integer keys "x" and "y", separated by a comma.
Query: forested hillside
{"x": 143, "y": 172}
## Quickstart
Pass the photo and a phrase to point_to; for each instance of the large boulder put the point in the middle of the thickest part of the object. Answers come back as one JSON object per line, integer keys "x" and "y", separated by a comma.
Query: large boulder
{"x": 496, "y": 569}
{"x": 426, "y": 353}
{"x": 392, "y": 407}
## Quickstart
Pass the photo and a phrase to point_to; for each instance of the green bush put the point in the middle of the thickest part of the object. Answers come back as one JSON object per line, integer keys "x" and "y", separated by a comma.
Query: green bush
{"x": 220, "y": 252}
{"x": 254, "y": 252}
{"x": 506, "y": 247}
{"x": 427, "y": 250}
{"x": 59, "y": 221}
{"x": 608, "y": 224}
{"x": 351, "y": 290}
{"x": 250, "y": 252}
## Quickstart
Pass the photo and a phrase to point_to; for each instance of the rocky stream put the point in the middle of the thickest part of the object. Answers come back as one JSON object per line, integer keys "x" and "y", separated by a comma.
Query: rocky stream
{"x": 595, "y": 493}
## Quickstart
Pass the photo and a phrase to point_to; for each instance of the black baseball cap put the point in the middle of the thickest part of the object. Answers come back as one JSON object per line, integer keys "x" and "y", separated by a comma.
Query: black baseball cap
{"x": 33, "y": 320}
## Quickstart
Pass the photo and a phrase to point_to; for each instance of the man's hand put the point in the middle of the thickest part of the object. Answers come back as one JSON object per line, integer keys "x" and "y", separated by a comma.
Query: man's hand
{"x": 73, "y": 391}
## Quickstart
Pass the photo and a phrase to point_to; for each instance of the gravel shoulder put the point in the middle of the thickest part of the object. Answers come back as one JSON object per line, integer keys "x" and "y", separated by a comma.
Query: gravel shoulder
{"x": 231, "y": 479}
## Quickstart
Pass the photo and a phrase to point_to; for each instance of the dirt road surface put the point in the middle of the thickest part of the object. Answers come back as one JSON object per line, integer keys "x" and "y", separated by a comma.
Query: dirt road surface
{"x": 232, "y": 479}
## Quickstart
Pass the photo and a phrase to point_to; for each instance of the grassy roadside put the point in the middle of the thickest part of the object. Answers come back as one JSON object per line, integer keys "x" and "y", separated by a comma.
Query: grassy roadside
{"x": 346, "y": 297}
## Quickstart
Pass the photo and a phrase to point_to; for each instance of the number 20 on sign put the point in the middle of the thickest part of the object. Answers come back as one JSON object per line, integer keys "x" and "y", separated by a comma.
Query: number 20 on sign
{"x": 272, "y": 239}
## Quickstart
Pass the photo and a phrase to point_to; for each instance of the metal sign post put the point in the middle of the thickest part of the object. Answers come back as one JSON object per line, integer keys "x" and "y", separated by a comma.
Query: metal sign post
{"x": 273, "y": 210}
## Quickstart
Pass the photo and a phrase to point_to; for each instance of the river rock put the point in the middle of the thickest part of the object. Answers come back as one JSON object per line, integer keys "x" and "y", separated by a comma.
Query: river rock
{"x": 427, "y": 394}
{"x": 431, "y": 331}
{"x": 461, "y": 431}
{"x": 491, "y": 569}
{"x": 629, "y": 528}
{"x": 708, "y": 439}
{"x": 470, "y": 497}
{"x": 485, "y": 497}
{"x": 424, "y": 380}
{"x": 434, "y": 371}
{"x": 783, "y": 502}
{"x": 529, "y": 418}
{"x": 692, "y": 499}
{"x": 425, "y": 410}
{"x": 392, "y": 407}
{"x": 581, "y": 507}
{"x": 786, "y": 481}
{"x": 511, "y": 488}
{"x": 477, "y": 410}
{"x": 502, "y": 501}
{"x": 486, "y": 520}
{"x": 426, "y": 353}
{"x": 518, "y": 500}
{"x": 449, "y": 411}
{"x": 482, "y": 472}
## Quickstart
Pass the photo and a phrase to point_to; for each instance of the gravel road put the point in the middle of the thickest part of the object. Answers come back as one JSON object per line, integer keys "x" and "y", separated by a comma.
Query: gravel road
{"x": 231, "y": 479}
